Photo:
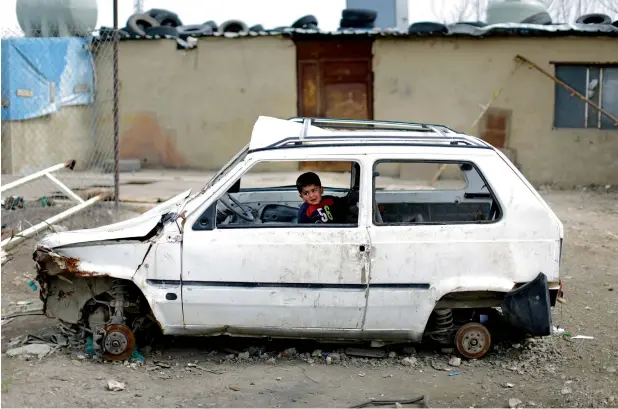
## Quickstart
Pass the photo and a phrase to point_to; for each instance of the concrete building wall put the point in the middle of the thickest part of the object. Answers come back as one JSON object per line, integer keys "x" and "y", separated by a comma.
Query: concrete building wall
{"x": 196, "y": 108}
{"x": 447, "y": 80}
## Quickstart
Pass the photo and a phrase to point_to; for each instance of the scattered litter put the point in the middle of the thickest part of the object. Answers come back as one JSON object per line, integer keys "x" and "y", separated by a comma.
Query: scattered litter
{"x": 115, "y": 386}
{"x": 52, "y": 335}
{"x": 33, "y": 285}
{"x": 290, "y": 352}
{"x": 13, "y": 342}
{"x": 89, "y": 346}
{"x": 361, "y": 374}
{"x": 557, "y": 330}
{"x": 335, "y": 357}
{"x": 215, "y": 372}
{"x": 455, "y": 361}
{"x": 566, "y": 390}
{"x": 375, "y": 402}
{"x": 392, "y": 354}
{"x": 23, "y": 314}
{"x": 135, "y": 355}
{"x": 40, "y": 350}
{"x": 514, "y": 403}
{"x": 438, "y": 366}
{"x": 27, "y": 302}
{"x": 278, "y": 378}
{"x": 582, "y": 337}
{"x": 398, "y": 405}
{"x": 508, "y": 385}
{"x": 454, "y": 373}
{"x": 366, "y": 352}
{"x": 408, "y": 361}
{"x": 234, "y": 388}
{"x": 162, "y": 364}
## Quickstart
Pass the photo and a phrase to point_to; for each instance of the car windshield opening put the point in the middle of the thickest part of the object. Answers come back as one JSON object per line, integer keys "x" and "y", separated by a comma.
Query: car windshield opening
{"x": 239, "y": 157}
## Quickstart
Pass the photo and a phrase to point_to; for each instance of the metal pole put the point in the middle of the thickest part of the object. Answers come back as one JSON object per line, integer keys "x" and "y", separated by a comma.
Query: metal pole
{"x": 69, "y": 164}
{"x": 116, "y": 127}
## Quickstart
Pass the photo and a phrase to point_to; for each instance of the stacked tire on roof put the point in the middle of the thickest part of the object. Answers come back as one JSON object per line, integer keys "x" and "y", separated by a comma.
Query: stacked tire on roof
{"x": 505, "y": 12}
{"x": 164, "y": 23}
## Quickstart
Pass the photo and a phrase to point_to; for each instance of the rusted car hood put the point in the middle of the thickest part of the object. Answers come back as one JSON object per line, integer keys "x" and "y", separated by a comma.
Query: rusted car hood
{"x": 135, "y": 228}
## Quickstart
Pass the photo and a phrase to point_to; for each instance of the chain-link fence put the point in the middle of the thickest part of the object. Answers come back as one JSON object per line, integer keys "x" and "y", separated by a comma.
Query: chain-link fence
{"x": 57, "y": 106}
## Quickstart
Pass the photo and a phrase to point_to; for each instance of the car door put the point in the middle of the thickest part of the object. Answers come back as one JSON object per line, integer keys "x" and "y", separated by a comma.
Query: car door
{"x": 426, "y": 237}
{"x": 292, "y": 280}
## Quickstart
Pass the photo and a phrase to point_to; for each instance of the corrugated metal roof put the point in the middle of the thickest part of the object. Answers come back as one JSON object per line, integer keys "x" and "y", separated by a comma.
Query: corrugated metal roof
{"x": 496, "y": 30}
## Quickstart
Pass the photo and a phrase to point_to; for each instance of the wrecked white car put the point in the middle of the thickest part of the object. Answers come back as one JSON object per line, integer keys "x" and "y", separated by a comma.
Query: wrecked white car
{"x": 409, "y": 263}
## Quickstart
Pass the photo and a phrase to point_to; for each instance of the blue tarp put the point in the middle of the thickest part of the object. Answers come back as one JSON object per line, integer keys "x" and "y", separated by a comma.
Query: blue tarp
{"x": 40, "y": 75}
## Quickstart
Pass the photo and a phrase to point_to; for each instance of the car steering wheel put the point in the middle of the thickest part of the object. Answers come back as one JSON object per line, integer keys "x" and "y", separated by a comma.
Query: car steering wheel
{"x": 247, "y": 215}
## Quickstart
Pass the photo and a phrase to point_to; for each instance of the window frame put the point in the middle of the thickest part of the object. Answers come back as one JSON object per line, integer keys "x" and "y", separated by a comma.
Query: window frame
{"x": 499, "y": 207}
{"x": 587, "y": 107}
{"x": 211, "y": 212}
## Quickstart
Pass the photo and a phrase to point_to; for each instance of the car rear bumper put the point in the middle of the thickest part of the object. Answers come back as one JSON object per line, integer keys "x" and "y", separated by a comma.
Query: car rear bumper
{"x": 528, "y": 307}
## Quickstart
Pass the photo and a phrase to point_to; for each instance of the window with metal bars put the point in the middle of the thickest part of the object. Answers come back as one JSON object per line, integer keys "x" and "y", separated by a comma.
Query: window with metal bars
{"x": 599, "y": 84}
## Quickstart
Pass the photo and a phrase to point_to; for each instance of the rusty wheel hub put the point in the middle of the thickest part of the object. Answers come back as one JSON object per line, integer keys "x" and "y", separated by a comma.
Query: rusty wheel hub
{"x": 473, "y": 340}
{"x": 118, "y": 342}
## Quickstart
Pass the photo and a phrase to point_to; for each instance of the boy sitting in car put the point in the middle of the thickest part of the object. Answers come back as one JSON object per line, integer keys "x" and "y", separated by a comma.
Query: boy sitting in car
{"x": 318, "y": 208}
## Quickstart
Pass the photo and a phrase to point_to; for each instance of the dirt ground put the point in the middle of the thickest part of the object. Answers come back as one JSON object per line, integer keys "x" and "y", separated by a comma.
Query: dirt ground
{"x": 555, "y": 371}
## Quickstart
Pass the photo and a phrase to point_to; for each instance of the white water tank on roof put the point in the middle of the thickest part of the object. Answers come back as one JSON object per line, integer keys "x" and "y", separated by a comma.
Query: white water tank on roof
{"x": 57, "y": 18}
{"x": 513, "y": 11}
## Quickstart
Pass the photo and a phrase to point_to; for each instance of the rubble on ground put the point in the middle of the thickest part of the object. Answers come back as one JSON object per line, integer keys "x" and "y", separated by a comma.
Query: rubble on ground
{"x": 535, "y": 356}
{"x": 38, "y": 350}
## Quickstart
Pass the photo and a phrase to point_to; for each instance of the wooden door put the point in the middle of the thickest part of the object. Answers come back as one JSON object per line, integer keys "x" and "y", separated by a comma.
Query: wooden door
{"x": 335, "y": 80}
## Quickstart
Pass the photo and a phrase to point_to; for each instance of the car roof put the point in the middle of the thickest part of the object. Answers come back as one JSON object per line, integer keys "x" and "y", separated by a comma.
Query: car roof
{"x": 271, "y": 133}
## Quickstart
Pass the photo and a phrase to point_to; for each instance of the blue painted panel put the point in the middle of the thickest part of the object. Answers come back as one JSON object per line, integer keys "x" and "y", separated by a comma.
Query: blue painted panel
{"x": 39, "y": 75}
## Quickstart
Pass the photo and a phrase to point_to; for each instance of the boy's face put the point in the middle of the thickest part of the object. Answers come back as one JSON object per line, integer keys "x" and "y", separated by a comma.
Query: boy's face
{"x": 312, "y": 194}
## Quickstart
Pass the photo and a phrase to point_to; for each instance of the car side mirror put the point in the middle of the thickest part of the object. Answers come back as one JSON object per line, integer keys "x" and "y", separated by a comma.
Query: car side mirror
{"x": 235, "y": 188}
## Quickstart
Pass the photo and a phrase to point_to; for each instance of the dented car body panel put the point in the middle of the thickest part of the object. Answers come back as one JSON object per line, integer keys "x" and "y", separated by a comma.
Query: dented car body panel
{"x": 369, "y": 280}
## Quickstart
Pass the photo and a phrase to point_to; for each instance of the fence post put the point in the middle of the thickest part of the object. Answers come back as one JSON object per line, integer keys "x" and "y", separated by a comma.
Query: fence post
{"x": 116, "y": 124}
